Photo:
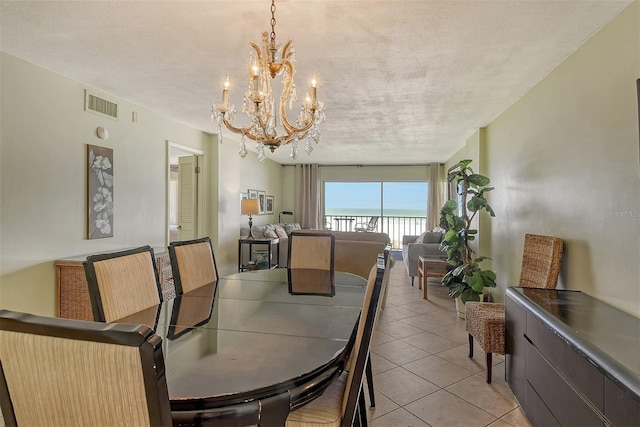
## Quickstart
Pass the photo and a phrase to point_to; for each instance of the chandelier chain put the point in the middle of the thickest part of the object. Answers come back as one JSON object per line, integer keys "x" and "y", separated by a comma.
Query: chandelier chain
{"x": 273, "y": 20}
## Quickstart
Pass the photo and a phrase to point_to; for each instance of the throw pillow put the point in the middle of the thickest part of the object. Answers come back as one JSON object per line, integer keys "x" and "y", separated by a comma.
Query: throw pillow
{"x": 280, "y": 231}
{"x": 420, "y": 238}
{"x": 429, "y": 237}
{"x": 270, "y": 232}
{"x": 432, "y": 237}
{"x": 258, "y": 230}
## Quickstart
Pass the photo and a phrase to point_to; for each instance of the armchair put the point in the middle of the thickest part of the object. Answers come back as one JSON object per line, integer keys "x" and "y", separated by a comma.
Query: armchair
{"x": 426, "y": 245}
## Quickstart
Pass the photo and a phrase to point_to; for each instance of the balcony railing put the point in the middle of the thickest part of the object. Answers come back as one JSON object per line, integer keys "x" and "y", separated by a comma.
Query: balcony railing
{"x": 394, "y": 226}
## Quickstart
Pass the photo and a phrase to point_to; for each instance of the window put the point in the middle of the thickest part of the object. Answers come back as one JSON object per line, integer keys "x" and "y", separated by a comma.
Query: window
{"x": 352, "y": 198}
{"x": 405, "y": 199}
{"x": 397, "y": 199}
{"x": 401, "y": 206}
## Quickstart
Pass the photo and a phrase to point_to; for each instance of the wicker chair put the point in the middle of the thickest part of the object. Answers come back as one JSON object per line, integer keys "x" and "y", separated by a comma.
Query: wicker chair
{"x": 312, "y": 249}
{"x": 193, "y": 264}
{"x": 122, "y": 283}
{"x": 342, "y": 402}
{"x": 63, "y": 372}
{"x": 485, "y": 322}
{"x": 311, "y": 264}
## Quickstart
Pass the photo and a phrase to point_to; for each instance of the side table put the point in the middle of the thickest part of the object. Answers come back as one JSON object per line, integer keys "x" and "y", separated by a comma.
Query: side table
{"x": 269, "y": 243}
{"x": 430, "y": 267}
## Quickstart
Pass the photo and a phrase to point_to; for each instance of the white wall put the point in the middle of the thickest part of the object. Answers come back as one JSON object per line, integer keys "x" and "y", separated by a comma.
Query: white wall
{"x": 44, "y": 132}
{"x": 564, "y": 160}
{"x": 237, "y": 175}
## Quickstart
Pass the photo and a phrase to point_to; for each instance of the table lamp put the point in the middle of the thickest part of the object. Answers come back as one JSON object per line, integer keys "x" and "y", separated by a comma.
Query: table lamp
{"x": 249, "y": 207}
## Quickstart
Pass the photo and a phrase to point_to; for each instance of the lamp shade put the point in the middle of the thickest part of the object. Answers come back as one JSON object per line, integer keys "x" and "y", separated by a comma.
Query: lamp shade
{"x": 249, "y": 207}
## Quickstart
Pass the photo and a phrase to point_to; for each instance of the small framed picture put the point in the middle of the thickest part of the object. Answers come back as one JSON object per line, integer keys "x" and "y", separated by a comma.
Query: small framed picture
{"x": 253, "y": 194}
{"x": 268, "y": 209}
{"x": 244, "y": 196}
{"x": 261, "y": 201}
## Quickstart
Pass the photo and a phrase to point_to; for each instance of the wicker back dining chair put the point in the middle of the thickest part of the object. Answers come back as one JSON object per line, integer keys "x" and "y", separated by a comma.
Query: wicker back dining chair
{"x": 64, "y": 372}
{"x": 193, "y": 264}
{"x": 314, "y": 250}
{"x": 541, "y": 260}
{"x": 342, "y": 402}
{"x": 122, "y": 283}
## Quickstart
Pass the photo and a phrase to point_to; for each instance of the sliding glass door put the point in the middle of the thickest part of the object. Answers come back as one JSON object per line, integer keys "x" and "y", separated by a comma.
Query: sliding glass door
{"x": 400, "y": 206}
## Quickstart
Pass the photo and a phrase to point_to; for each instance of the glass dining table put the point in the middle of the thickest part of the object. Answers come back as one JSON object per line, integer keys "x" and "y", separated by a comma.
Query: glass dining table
{"x": 250, "y": 347}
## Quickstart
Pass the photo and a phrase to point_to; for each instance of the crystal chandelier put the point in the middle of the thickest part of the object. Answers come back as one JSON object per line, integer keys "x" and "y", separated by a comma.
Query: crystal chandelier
{"x": 269, "y": 126}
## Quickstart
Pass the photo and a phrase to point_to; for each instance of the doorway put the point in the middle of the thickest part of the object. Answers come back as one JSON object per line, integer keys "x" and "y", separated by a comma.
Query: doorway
{"x": 184, "y": 192}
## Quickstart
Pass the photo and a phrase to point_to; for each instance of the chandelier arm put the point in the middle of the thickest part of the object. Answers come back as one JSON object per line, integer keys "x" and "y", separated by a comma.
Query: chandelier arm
{"x": 257, "y": 49}
{"x": 291, "y": 129}
{"x": 266, "y": 139}
{"x": 285, "y": 49}
{"x": 246, "y": 131}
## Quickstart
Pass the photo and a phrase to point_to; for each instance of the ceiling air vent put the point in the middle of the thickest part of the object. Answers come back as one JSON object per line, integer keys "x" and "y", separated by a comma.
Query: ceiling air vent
{"x": 100, "y": 105}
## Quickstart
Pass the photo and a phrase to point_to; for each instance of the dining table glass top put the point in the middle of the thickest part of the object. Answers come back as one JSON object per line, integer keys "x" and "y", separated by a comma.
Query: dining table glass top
{"x": 246, "y": 335}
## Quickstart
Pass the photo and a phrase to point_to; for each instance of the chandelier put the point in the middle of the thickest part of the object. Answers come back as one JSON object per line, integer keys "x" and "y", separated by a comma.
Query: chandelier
{"x": 270, "y": 125}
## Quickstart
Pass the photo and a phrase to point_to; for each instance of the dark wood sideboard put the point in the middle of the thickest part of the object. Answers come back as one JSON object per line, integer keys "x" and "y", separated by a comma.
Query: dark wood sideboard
{"x": 572, "y": 360}
{"x": 72, "y": 301}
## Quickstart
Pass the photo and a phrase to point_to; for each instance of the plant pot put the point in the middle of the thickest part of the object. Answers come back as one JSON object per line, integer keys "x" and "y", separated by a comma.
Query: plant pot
{"x": 461, "y": 308}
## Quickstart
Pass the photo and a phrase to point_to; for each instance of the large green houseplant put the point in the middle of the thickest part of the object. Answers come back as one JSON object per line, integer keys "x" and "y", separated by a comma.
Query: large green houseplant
{"x": 466, "y": 278}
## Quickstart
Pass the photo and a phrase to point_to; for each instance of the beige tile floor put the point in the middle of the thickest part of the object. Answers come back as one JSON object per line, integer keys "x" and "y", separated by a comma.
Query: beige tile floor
{"x": 422, "y": 373}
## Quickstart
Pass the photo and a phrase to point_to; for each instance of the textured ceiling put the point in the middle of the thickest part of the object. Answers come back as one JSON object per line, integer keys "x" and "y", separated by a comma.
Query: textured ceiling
{"x": 404, "y": 82}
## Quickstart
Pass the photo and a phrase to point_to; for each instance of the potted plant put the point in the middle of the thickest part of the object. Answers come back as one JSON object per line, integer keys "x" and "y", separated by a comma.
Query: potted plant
{"x": 466, "y": 279}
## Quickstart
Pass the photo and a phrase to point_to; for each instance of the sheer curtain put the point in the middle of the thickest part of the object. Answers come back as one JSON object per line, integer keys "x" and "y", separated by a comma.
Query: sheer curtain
{"x": 435, "y": 198}
{"x": 308, "y": 196}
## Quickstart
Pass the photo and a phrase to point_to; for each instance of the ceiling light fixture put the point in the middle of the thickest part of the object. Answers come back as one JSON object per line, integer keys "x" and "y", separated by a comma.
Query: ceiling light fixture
{"x": 259, "y": 103}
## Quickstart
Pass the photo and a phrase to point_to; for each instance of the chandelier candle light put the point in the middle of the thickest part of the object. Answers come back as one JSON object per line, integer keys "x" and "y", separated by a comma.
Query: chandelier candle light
{"x": 259, "y": 104}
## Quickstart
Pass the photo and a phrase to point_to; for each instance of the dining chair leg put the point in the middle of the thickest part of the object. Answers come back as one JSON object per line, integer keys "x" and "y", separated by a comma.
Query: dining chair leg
{"x": 356, "y": 417}
{"x": 489, "y": 365}
{"x": 363, "y": 411}
{"x": 356, "y": 420}
{"x": 369, "y": 373}
{"x": 470, "y": 345}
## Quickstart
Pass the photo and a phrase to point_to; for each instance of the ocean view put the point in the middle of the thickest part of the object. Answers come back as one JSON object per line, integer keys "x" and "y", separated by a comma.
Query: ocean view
{"x": 375, "y": 212}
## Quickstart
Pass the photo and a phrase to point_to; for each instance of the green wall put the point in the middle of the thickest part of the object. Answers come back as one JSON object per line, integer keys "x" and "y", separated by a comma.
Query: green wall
{"x": 564, "y": 160}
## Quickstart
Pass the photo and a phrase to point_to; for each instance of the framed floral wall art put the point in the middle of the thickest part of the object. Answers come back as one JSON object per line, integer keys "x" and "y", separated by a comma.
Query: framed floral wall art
{"x": 99, "y": 192}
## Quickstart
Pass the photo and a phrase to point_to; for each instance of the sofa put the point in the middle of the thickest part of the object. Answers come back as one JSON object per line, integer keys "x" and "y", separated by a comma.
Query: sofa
{"x": 427, "y": 245}
{"x": 357, "y": 252}
{"x": 354, "y": 252}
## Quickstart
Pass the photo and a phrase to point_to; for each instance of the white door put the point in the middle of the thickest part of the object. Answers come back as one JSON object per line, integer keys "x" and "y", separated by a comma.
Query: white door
{"x": 187, "y": 197}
